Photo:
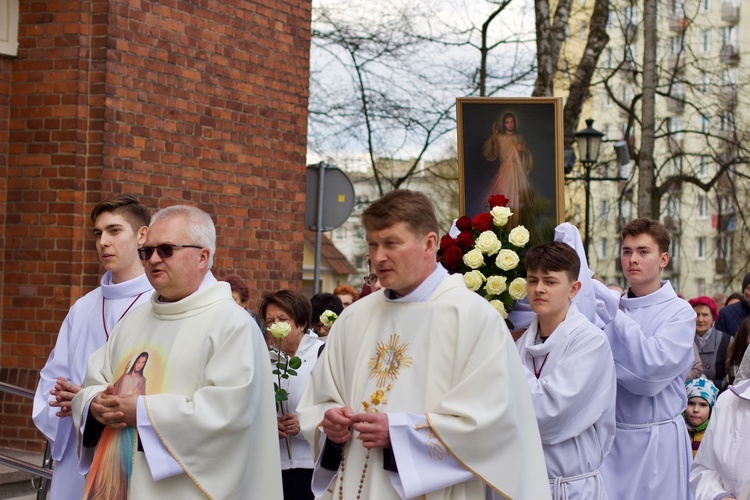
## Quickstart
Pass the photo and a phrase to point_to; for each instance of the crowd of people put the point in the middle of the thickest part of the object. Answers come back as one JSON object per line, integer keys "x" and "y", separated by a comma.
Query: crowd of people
{"x": 160, "y": 386}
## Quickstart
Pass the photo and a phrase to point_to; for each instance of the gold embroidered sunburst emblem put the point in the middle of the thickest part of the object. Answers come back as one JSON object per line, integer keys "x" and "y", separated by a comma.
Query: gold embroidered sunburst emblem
{"x": 389, "y": 358}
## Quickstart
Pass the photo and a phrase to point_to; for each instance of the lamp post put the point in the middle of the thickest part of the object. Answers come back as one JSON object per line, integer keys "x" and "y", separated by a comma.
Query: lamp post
{"x": 589, "y": 140}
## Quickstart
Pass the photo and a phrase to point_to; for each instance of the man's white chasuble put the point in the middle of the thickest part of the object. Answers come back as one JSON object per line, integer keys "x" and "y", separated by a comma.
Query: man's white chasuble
{"x": 208, "y": 396}
{"x": 449, "y": 360}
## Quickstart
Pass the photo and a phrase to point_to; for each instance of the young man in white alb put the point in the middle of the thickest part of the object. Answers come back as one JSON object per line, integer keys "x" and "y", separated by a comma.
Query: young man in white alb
{"x": 120, "y": 227}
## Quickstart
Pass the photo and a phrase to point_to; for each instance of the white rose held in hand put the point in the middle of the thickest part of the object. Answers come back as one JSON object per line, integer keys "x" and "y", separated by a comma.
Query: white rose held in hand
{"x": 279, "y": 330}
{"x": 507, "y": 260}
{"x": 473, "y": 280}
{"x": 474, "y": 259}
{"x": 517, "y": 289}
{"x": 328, "y": 317}
{"x": 488, "y": 243}
{"x": 519, "y": 236}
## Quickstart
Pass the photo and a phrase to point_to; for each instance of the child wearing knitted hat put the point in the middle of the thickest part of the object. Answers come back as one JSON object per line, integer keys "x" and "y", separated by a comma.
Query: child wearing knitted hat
{"x": 701, "y": 394}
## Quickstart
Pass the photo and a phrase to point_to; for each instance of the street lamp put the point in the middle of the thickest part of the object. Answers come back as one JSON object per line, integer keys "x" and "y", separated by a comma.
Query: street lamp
{"x": 589, "y": 140}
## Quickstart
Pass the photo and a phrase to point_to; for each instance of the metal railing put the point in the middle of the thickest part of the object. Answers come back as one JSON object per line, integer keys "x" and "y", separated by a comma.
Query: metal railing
{"x": 43, "y": 473}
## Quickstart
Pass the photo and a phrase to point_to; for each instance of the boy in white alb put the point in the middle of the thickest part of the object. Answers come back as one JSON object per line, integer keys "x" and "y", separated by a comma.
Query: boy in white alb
{"x": 570, "y": 373}
{"x": 651, "y": 338}
{"x": 120, "y": 226}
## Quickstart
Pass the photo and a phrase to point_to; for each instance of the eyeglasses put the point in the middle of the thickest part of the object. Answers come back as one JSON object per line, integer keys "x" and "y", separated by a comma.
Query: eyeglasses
{"x": 165, "y": 250}
{"x": 371, "y": 279}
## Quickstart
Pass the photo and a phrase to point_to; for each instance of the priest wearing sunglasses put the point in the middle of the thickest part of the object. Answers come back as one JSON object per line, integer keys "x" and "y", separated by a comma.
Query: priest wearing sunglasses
{"x": 208, "y": 383}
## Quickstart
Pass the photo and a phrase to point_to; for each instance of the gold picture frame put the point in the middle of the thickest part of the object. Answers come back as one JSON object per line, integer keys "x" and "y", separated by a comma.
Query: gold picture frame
{"x": 522, "y": 156}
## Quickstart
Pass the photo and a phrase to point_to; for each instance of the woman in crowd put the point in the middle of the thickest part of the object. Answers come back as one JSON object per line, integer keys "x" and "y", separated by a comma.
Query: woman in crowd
{"x": 293, "y": 308}
{"x": 736, "y": 351}
{"x": 712, "y": 343}
{"x": 241, "y": 295}
{"x": 347, "y": 295}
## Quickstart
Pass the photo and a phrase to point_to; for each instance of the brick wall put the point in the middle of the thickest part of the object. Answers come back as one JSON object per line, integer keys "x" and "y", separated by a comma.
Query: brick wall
{"x": 172, "y": 101}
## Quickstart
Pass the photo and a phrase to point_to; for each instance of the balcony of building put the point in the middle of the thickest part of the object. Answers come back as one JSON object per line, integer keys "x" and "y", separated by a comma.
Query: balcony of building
{"x": 728, "y": 96}
{"x": 676, "y": 104}
{"x": 721, "y": 265}
{"x": 676, "y": 62}
{"x": 678, "y": 23}
{"x": 730, "y": 12}
{"x": 675, "y": 143}
{"x": 729, "y": 54}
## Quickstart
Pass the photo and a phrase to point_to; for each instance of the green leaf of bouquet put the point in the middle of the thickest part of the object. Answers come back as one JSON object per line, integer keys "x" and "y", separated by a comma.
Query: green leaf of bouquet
{"x": 295, "y": 362}
{"x": 292, "y": 371}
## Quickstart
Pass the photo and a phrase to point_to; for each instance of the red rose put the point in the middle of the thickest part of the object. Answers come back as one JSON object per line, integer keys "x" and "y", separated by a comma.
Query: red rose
{"x": 465, "y": 240}
{"x": 463, "y": 223}
{"x": 452, "y": 257}
{"x": 482, "y": 222}
{"x": 498, "y": 200}
{"x": 446, "y": 241}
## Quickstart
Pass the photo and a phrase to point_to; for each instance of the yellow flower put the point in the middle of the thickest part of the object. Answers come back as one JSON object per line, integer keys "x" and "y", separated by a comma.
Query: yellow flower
{"x": 377, "y": 397}
{"x": 495, "y": 285}
{"x": 519, "y": 236}
{"x": 474, "y": 280}
{"x": 507, "y": 260}
{"x": 474, "y": 259}
{"x": 500, "y": 307}
{"x": 279, "y": 330}
{"x": 488, "y": 243}
{"x": 500, "y": 215}
{"x": 517, "y": 288}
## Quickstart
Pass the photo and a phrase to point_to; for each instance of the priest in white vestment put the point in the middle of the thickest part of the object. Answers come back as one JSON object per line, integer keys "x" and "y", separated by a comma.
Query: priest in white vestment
{"x": 120, "y": 226}
{"x": 652, "y": 342}
{"x": 201, "y": 421}
{"x": 571, "y": 375}
{"x": 419, "y": 391}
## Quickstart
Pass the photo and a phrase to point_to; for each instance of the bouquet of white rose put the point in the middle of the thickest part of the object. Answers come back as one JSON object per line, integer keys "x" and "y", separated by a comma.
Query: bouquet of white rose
{"x": 489, "y": 255}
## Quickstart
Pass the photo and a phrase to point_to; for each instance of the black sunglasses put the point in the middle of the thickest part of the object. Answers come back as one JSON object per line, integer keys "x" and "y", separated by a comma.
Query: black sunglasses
{"x": 165, "y": 250}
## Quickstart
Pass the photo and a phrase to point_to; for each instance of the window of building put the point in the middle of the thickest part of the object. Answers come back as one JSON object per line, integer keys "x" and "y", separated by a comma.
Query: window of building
{"x": 700, "y": 247}
{"x": 602, "y": 249}
{"x": 706, "y": 41}
{"x": 724, "y": 247}
{"x": 729, "y": 36}
{"x": 705, "y": 5}
{"x": 604, "y": 209}
{"x": 700, "y": 287}
{"x": 702, "y": 207}
{"x": 9, "y": 27}
{"x": 703, "y": 166}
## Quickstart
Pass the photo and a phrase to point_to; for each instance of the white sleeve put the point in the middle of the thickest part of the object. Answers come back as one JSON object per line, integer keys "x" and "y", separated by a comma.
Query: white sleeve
{"x": 322, "y": 478}
{"x": 56, "y": 429}
{"x": 160, "y": 462}
{"x": 424, "y": 464}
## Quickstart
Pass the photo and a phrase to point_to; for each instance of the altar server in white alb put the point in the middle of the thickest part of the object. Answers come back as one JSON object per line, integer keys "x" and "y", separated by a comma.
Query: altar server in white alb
{"x": 120, "y": 226}
{"x": 570, "y": 373}
{"x": 179, "y": 403}
{"x": 721, "y": 470}
{"x": 652, "y": 343}
{"x": 419, "y": 391}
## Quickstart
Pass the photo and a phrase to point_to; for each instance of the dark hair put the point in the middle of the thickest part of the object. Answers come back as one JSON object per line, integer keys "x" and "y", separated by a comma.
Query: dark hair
{"x": 734, "y": 295}
{"x": 325, "y": 301}
{"x": 141, "y": 355}
{"x": 402, "y": 205}
{"x": 738, "y": 346}
{"x": 651, "y": 227}
{"x": 126, "y": 205}
{"x": 553, "y": 256}
{"x": 238, "y": 285}
{"x": 291, "y": 302}
{"x": 346, "y": 290}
